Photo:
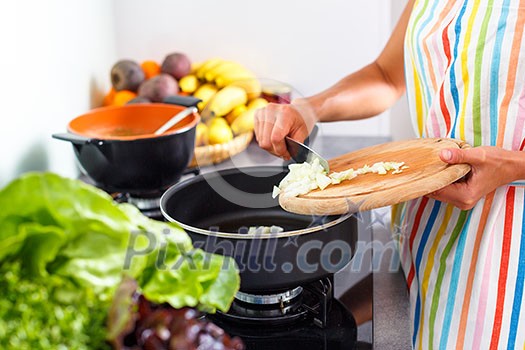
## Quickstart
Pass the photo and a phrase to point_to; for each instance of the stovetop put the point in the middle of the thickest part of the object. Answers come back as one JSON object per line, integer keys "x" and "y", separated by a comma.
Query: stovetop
{"x": 306, "y": 318}
{"x": 339, "y": 333}
{"x": 309, "y": 323}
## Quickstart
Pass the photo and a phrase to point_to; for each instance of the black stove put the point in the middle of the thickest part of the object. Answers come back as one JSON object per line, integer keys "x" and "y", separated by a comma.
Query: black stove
{"x": 149, "y": 202}
{"x": 307, "y": 317}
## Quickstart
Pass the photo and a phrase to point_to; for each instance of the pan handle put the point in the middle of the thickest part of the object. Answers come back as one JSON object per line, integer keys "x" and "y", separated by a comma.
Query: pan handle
{"x": 185, "y": 101}
{"x": 76, "y": 139}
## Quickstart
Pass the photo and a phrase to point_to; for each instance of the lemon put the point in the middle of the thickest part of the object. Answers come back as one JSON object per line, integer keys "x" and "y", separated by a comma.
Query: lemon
{"x": 237, "y": 111}
{"x": 219, "y": 133}
{"x": 205, "y": 92}
{"x": 244, "y": 122}
{"x": 201, "y": 135}
{"x": 258, "y": 102}
{"x": 189, "y": 83}
{"x": 217, "y": 120}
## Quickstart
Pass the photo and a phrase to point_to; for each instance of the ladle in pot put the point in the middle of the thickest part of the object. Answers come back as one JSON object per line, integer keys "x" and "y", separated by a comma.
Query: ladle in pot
{"x": 175, "y": 120}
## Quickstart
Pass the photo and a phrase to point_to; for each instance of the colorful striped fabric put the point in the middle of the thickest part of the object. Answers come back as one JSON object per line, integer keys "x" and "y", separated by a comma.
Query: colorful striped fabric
{"x": 465, "y": 70}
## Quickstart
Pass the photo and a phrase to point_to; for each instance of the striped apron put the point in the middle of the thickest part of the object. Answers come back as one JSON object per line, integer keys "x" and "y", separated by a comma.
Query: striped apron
{"x": 465, "y": 270}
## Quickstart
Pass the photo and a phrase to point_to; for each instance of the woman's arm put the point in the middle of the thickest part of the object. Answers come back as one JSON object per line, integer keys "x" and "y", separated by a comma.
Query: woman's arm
{"x": 362, "y": 94}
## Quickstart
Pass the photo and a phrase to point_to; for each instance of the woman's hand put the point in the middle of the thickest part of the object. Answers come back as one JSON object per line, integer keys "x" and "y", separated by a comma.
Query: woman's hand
{"x": 276, "y": 121}
{"x": 492, "y": 167}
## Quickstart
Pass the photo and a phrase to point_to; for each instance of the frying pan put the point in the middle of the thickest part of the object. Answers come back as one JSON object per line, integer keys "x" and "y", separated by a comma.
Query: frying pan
{"x": 117, "y": 147}
{"x": 217, "y": 209}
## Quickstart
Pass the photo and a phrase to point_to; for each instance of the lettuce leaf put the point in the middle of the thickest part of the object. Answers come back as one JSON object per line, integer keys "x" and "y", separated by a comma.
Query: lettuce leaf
{"x": 50, "y": 313}
{"x": 64, "y": 227}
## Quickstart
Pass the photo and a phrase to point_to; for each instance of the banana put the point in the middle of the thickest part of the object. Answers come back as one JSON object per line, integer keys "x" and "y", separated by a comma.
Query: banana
{"x": 219, "y": 69}
{"x": 244, "y": 122}
{"x": 231, "y": 70}
{"x": 252, "y": 86}
{"x": 237, "y": 73}
{"x": 205, "y": 92}
{"x": 241, "y": 77}
{"x": 224, "y": 73}
{"x": 227, "y": 99}
{"x": 207, "y": 65}
{"x": 195, "y": 66}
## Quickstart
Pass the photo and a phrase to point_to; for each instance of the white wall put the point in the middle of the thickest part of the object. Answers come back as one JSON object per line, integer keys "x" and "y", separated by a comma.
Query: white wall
{"x": 308, "y": 44}
{"x": 54, "y": 62}
{"x": 400, "y": 123}
{"x": 56, "y": 56}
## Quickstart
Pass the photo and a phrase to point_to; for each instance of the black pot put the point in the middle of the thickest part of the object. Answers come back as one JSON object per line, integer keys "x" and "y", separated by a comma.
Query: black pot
{"x": 139, "y": 162}
{"x": 217, "y": 208}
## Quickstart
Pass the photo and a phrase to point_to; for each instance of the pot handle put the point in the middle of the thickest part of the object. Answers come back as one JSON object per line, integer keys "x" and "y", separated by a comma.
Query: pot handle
{"x": 76, "y": 139}
{"x": 185, "y": 101}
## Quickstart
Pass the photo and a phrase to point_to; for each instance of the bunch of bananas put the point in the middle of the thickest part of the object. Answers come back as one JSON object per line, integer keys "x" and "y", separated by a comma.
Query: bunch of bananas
{"x": 230, "y": 94}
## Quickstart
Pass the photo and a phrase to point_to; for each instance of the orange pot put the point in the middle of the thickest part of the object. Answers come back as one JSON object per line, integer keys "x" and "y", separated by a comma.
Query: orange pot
{"x": 117, "y": 148}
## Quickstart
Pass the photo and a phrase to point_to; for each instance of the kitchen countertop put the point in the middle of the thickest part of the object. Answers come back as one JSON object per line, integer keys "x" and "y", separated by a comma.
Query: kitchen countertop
{"x": 390, "y": 305}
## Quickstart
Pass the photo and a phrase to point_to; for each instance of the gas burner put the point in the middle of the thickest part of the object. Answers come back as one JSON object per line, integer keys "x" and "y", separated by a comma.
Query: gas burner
{"x": 276, "y": 309}
{"x": 143, "y": 203}
{"x": 311, "y": 301}
{"x": 279, "y": 298}
{"x": 148, "y": 204}
{"x": 284, "y": 314}
{"x": 309, "y": 319}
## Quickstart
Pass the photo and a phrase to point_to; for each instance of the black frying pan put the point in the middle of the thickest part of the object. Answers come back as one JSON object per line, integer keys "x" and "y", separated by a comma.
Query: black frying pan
{"x": 216, "y": 209}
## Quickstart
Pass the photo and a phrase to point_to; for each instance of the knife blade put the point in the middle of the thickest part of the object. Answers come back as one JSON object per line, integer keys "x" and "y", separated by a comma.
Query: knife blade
{"x": 302, "y": 153}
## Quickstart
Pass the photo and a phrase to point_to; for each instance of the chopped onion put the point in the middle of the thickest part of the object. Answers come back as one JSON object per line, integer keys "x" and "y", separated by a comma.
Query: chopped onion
{"x": 338, "y": 177}
{"x": 306, "y": 177}
{"x": 276, "y": 191}
{"x": 322, "y": 181}
{"x": 265, "y": 229}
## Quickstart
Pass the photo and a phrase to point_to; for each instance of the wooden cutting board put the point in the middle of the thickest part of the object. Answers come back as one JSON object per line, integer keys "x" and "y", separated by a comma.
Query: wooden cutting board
{"x": 426, "y": 174}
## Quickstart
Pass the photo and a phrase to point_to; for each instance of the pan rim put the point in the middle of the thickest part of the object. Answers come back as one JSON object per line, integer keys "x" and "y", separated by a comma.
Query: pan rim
{"x": 232, "y": 235}
{"x": 131, "y": 138}
{"x": 284, "y": 234}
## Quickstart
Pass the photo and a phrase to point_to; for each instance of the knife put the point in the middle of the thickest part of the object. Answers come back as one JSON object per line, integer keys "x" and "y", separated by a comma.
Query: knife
{"x": 302, "y": 153}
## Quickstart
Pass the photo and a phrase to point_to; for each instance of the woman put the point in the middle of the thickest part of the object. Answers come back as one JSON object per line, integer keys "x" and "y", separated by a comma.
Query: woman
{"x": 462, "y": 247}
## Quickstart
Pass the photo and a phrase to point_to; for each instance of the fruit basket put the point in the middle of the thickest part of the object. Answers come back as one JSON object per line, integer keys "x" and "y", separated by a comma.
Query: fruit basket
{"x": 228, "y": 93}
{"x": 213, "y": 154}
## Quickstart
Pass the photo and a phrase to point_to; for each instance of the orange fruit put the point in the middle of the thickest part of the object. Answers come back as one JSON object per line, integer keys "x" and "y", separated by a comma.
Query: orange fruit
{"x": 123, "y": 96}
{"x": 108, "y": 98}
{"x": 150, "y": 68}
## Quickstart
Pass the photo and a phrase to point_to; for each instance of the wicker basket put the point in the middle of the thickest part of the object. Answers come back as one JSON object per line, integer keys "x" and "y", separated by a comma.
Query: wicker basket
{"x": 212, "y": 154}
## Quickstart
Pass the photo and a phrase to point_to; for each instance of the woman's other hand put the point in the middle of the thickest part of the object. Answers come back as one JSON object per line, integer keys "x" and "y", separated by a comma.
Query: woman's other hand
{"x": 492, "y": 167}
{"x": 276, "y": 121}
